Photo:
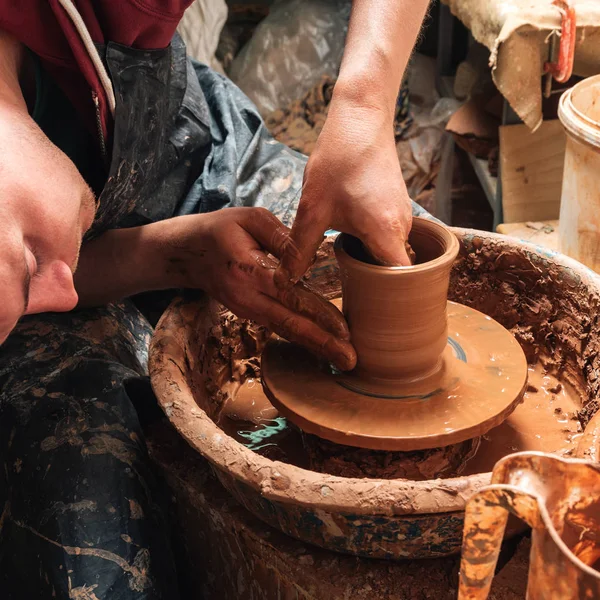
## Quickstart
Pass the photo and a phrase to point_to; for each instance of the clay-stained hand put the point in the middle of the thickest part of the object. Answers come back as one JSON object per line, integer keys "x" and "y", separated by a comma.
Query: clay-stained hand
{"x": 228, "y": 254}
{"x": 352, "y": 183}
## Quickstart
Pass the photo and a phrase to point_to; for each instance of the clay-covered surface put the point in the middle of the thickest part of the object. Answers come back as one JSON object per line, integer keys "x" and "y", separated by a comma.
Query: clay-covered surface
{"x": 242, "y": 558}
{"x": 549, "y": 303}
{"x": 443, "y": 408}
{"x": 327, "y": 457}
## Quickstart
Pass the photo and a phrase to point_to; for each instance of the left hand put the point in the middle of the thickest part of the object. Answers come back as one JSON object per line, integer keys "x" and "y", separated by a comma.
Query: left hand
{"x": 226, "y": 254}
{"x": 232, "y": 255}
{"x": 352, "y": 183}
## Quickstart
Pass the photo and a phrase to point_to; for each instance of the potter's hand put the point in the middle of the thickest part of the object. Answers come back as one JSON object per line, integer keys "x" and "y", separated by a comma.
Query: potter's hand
{"x": 352, "y": 183}
{"x": 226, "y": 253}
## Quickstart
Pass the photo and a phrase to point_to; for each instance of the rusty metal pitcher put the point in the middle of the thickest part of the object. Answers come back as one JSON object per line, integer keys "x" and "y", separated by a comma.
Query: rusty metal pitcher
{"x": 560, "y": 499}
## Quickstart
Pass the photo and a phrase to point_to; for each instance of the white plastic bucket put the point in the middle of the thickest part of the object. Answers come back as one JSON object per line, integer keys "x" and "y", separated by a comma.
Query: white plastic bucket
{"x": 579, "y": 228}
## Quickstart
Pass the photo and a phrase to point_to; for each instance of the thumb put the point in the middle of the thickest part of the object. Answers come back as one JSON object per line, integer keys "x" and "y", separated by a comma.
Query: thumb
{"x": 301, "y": 245}
{"x": 270, "y": 233}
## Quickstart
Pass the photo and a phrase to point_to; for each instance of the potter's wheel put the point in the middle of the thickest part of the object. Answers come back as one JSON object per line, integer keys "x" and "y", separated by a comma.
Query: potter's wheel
{"x": 481, "y": 380}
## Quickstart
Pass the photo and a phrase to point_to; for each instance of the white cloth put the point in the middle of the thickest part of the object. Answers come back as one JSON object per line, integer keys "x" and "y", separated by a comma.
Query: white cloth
{"x": 200, "y": 29}
{"x": 517, "y": 32}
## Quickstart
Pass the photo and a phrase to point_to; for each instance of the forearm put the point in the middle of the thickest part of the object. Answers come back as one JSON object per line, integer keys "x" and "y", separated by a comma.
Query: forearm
{"x": 125, "y": 262}
{"x": 380, "y": 40}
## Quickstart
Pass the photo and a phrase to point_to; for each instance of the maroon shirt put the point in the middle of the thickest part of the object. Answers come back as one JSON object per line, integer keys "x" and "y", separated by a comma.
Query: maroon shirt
{"x": 47, "y": 29}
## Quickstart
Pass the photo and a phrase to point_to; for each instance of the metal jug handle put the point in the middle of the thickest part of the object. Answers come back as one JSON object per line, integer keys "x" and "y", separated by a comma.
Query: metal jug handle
{"x": 485, "y": 521}
{"x": 521, "y": 484}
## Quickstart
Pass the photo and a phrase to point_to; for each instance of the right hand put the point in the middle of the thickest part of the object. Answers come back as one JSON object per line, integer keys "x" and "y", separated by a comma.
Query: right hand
{"x": 226, "y": 254}
{"x": 352, "y": 183}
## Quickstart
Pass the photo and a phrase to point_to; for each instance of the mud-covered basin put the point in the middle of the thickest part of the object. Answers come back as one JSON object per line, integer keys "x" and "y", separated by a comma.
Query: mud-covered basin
{"x": 548, "y": 301}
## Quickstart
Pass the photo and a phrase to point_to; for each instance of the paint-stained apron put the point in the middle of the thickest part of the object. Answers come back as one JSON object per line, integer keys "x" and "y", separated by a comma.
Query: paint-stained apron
{"x": 80, "y": 510}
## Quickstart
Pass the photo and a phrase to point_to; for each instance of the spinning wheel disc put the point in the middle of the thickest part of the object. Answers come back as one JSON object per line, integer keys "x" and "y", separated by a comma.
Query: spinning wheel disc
{"x": 481, "y": 380}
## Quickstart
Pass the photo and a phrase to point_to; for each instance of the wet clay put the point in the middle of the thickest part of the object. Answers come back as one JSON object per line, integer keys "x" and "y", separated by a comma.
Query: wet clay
{"x": 420, "y": 465}
{"x": 248, "y": 403}
{"x": 589, "y": 444}
{"x": 278, "y": 439}
{"x": 451, "y": 409}
{"x": 546, "y": 421}
{"x": 550, "y": 304}
{"x": 446, "y": 408}
{"x": 546, "y": 306}
{"x": 397, "y": 315}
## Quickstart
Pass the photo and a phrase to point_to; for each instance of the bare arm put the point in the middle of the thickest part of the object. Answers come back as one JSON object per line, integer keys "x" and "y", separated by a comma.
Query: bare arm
{"x": 353, "y": 180}
{"x": 46, "y": 206}
{"x": 381, "y": 38}
{"x": 224, "y": 253}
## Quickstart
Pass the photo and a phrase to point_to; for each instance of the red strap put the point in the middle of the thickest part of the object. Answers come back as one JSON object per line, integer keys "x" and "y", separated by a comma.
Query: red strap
{"x": 563, "y": 68}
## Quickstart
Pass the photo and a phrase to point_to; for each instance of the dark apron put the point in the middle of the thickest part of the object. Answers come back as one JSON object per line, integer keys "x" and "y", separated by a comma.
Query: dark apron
{"x": 80, "y": 510}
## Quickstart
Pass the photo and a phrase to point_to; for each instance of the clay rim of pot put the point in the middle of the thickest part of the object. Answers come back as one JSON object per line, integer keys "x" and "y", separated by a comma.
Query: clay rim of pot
{"x": 286, "y": 483}
{"x": 448, "y": 247}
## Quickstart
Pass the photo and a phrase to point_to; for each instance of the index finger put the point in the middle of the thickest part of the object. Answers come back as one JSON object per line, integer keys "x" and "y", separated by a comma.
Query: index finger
{"x": 310, "y": 304}
{"x": 300, "y": 247}
{"x": 270, "y": 233}
{"x": 303, "y": 300}
{"x": 297, "y": 328}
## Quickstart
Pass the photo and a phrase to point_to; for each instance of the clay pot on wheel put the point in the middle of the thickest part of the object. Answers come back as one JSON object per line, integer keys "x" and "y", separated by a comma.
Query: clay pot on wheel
{"x": 397, "y": 315}
{"x": 422, "y": 362}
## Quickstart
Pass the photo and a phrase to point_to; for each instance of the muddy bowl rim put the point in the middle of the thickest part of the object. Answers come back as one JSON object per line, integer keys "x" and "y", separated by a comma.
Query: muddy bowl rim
{"x": 288, "y": 484}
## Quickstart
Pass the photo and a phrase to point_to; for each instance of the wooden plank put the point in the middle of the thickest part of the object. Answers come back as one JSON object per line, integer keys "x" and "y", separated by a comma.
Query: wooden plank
{"x": 543, "y": 233}
{"x": 531, "y": 169}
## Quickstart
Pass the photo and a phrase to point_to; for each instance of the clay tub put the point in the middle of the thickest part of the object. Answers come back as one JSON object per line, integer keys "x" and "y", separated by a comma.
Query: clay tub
{"x": 202, "y": 356}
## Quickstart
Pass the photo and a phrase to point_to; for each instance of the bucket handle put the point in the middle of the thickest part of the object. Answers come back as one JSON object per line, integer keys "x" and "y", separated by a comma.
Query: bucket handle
{"x": 521, "y": 483}
{"x": 563, "y": 68}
